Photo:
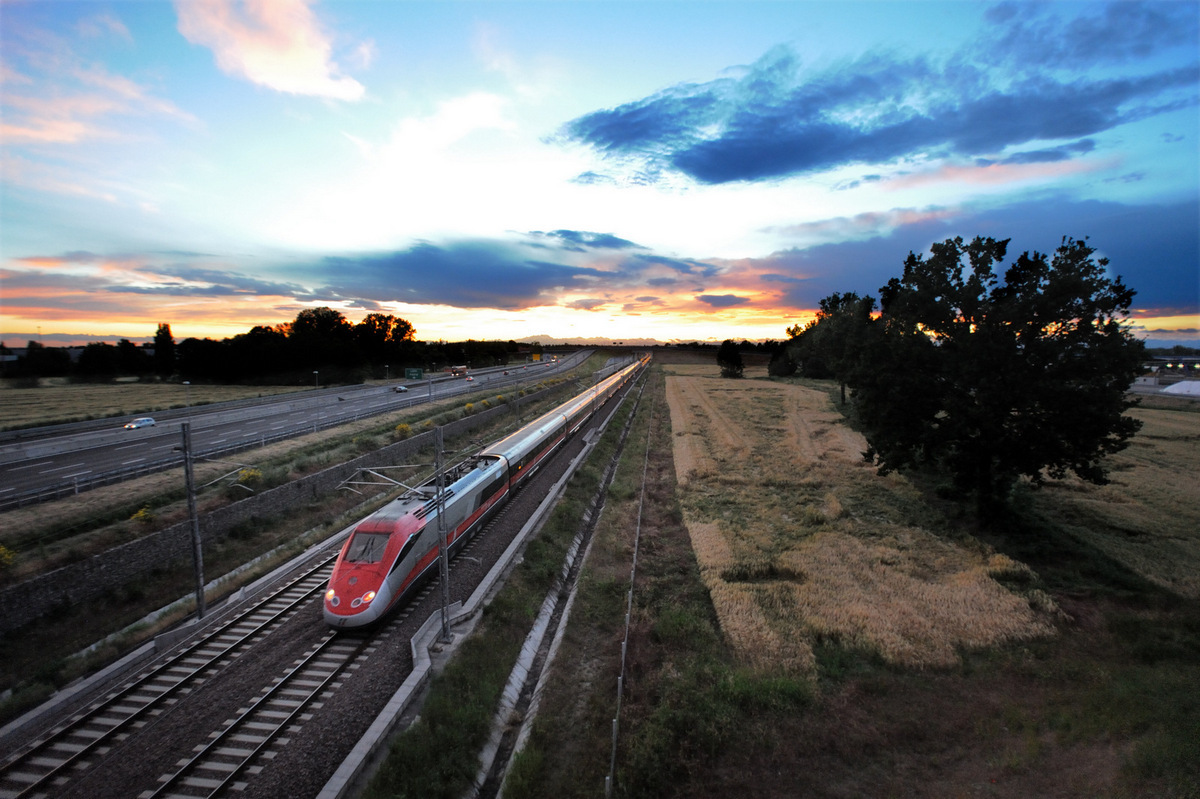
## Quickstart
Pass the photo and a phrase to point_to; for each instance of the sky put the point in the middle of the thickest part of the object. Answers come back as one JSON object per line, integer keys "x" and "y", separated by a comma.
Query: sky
{"x": 573, "y": 170}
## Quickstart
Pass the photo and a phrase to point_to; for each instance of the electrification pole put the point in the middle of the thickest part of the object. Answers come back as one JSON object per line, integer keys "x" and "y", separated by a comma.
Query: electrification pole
{"x": 197, "y": 550}
{"x": 443, "y": 553}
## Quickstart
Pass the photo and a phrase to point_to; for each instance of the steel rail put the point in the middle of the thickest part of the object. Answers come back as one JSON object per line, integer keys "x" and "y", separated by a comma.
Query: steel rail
{"x": 212, "y": 750}
{"x": 19, "y": 764}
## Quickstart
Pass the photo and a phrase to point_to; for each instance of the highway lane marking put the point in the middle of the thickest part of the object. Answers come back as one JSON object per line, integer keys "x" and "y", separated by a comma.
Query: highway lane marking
{"x": 135, "y": 460}
{"x": 60, "y": 468}
{"x": 27, "y": 466}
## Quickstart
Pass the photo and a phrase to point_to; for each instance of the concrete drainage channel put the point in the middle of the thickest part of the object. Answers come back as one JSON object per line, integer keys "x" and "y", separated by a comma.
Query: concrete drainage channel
{"x": 519, "y": 696}
{"x": 519, "y": 701}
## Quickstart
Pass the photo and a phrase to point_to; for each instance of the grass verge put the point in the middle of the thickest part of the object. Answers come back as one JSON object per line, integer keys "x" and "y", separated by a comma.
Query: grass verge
{"x": 438, "y": 755}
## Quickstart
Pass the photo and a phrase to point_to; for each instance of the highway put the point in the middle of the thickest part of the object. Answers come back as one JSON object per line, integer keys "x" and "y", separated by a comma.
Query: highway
{"x": 47, "y": 464}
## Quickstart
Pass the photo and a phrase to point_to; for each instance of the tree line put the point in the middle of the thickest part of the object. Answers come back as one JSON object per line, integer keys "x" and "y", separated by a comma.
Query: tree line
{"x": 318, "y": 339}
{"x": 982, "y": 379}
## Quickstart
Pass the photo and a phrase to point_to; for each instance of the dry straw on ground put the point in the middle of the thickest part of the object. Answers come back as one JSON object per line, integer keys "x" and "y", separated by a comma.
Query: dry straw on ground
{"x": 798, "y": 540}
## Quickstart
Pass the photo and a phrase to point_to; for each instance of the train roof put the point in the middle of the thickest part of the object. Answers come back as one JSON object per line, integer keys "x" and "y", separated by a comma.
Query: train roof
{"x": 421, "y": 501}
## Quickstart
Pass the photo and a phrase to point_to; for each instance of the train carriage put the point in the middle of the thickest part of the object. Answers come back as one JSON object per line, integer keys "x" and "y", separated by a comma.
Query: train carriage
{"x": 390, "y": 551}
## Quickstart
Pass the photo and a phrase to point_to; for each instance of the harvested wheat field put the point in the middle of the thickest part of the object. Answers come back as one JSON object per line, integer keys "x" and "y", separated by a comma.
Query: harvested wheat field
{"x": 1147, "y": 517}
{"x": 800, "y": 542}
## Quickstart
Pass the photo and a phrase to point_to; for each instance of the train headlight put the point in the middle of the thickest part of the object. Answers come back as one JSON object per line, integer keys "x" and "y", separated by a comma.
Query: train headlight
{"x": 332, "y": 598}
{"x": 367, "y": 597}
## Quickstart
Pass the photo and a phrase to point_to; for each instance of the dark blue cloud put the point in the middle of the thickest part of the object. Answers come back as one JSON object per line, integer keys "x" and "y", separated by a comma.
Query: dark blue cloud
{"x": 480, "y": 274}
{"x": 1154, "y": 248}
{"x": 774, "y": 122}
{"x": 1048, "y": 155}
{"x": 1025, "y": 33}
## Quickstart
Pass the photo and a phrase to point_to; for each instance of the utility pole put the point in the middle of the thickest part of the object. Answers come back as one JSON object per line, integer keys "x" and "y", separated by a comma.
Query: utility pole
{"x": 443, "y": 550}
{"x": 197, "y": 550}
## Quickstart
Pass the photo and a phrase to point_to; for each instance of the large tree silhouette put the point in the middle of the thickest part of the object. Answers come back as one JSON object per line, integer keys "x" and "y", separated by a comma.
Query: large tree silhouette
{"x": 991, "y": 380}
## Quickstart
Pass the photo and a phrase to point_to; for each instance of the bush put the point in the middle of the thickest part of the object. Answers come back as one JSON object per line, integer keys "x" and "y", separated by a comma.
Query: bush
{"x": 363, "y": 444}
{"x": 144, "y": 516}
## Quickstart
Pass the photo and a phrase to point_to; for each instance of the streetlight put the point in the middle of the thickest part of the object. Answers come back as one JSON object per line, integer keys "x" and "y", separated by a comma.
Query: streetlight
{"x": 315, "y": 378}
{"x": 386, "y": 373}
{"x": 187, "y": 384}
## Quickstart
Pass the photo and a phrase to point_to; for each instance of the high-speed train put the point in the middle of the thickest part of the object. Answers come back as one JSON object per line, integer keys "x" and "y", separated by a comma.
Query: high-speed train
{"x": 389, "y": 552}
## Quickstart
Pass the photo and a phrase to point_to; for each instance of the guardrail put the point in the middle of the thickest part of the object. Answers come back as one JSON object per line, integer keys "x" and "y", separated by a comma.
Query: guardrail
{"x": 79, "y": 485}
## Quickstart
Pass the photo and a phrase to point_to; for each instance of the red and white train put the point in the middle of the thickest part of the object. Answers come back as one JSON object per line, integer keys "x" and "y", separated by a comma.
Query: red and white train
{"x": 389, "y": 552}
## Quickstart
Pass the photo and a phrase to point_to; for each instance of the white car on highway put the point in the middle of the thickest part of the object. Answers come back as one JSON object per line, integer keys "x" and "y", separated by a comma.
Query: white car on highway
{"x": 141, "y": 421}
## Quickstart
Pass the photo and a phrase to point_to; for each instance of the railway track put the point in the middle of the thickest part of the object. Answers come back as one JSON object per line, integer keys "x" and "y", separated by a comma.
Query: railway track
{"x": 69, "y": 749}
{"x": 207, "y": 720}
{"x": 232, "y": 755}
{"x": 220, "y": 764}
{"x": 258, "y": 730}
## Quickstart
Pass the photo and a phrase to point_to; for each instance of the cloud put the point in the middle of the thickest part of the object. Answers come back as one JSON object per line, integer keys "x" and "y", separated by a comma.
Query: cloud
{"x": 868, "y": 224}
{"x": 582, "y": 240}
{"x": 1155, "y": 248}
{"x": 274, "y": 43}
{"x": 1022, "y": 34}
{"x": 102, "y": 25}
{"x": 590, "y": 178}
{"x": 468, "y": 274}
{"x": 1048, "y": 155}
{"x": 57, "y": 99}
{"x": 1003, "y": 173}
{"x": 722, "y": 300}
{"x": 137, "y": 273}
{"x": 586, "y": 304}
{"x": 774, "y": 120}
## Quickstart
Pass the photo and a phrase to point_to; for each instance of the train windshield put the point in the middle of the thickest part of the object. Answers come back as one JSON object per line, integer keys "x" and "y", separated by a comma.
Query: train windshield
{"x": 367, "y": 547}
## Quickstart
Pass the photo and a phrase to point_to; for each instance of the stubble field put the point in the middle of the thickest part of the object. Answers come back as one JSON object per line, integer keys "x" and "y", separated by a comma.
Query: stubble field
{"x": 799, "y": 541}
{"x": 804, "y": 627}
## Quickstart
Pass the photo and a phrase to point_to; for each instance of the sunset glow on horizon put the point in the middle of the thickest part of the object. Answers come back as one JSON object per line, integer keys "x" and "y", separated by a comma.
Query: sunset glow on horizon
{"x": 575, "y": 171}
